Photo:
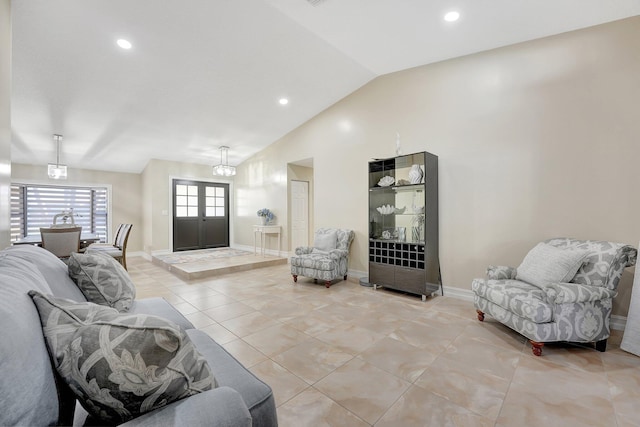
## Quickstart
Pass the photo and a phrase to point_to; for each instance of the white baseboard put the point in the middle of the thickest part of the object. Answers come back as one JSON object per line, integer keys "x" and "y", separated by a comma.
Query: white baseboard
{"x": 618, "y": 323}
{"x": 357, "y": 274}
{"x": 139, "y": 253}
{"x": 161, "y": 252}
{"x": 459, "y": 293}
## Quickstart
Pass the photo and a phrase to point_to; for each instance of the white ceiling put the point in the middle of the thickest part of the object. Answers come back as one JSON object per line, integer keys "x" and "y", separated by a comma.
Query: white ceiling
{"x": 206, "y": 73}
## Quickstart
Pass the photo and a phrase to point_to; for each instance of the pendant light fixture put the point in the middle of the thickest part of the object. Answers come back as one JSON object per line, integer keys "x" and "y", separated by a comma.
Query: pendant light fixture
{"x": 57, "y": 171}
{"x": 223, "y": 169}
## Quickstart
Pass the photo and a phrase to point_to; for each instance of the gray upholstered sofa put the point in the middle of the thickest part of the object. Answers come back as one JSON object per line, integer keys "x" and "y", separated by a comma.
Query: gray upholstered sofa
{"x": 562, "y": 291}
{"x": 31, "y": 392}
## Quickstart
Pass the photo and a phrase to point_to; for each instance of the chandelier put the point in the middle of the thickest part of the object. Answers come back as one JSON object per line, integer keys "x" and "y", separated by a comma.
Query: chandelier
{"x": 224, "y": 169}
{"x": 57, "y": 171}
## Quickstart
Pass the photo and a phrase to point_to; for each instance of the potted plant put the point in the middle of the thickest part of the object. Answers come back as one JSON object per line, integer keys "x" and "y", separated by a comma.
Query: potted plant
{"x": 266, "y": 216}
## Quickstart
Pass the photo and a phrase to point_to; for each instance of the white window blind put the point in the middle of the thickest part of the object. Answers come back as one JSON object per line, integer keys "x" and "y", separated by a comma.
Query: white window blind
{"x": 17, "y": 212}
{"x": 34, "y": 206}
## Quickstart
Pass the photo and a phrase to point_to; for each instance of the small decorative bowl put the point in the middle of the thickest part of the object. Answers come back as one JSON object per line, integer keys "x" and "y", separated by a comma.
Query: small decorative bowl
{"x": 386, "y": 209}
{"x": 386, "y": 181}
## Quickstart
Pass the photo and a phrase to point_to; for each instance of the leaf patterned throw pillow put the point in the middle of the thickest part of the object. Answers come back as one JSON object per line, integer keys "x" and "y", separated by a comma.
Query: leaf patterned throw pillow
{"x": 102, "y": 280}
{"x": 120, "y": 366}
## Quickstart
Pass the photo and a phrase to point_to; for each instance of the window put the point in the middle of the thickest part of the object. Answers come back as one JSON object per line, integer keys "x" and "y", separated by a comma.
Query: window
{"x": 215, "y": 201}
{"x": 34, "y": 206}
{"x": 186, "y": 200}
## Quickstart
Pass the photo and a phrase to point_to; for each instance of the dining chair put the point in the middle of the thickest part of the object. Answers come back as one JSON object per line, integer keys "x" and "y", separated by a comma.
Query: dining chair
{"x": 103, "y": 246}
{"x": 118, "y": 249}
{"x": 61, "y": 241}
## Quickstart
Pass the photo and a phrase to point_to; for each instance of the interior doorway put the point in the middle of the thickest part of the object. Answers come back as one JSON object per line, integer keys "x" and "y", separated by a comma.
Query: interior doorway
{"x": 300, "y": 203}
{"x": 299, "y": 213}
{"x": 200, "y": 215}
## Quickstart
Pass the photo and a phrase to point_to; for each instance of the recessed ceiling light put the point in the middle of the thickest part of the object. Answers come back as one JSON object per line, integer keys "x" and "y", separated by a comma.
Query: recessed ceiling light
{"x": 283, "y": 101}
{"x": 451, "y": 16}
{"x": 125, "y": 44}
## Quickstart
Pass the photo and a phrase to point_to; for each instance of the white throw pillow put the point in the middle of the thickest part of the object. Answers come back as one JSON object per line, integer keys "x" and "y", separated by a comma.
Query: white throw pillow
{"x": 326, "y": 241}
{"x": 546, "y": 264}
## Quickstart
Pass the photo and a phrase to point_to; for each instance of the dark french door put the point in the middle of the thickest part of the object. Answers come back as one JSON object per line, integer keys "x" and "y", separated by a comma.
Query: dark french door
{"x": 200, "y": 215}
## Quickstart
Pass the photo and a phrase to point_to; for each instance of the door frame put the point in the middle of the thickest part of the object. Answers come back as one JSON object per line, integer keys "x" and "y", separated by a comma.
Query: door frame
{"x": 210, "y": 180}
{"x": 309, "y": 242}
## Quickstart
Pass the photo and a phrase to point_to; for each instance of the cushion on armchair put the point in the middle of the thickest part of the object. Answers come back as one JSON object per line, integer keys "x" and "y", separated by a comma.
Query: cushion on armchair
{"x": 317, "y": 261}
{"x": 325, "y": 241}
{"x": 546, "y": 264}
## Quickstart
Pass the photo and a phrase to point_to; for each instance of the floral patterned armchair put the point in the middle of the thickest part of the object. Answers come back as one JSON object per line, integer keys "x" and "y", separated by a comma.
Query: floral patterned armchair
{"x": 562, "y": 291}
{"x": 328, "y": 259}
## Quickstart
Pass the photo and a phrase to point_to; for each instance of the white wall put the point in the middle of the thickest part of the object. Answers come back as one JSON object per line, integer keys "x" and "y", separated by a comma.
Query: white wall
{"x": 262, "y": 183}
{"x": 534, "y": 140}
{"x": 5, "y": 122}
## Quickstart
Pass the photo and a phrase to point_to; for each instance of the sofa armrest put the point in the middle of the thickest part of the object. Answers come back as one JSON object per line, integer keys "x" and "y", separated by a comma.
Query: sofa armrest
{"x": 220, "y": 407}
{"x": 303, "y": 250}
{"x": 563, "y": 293}
{"x": 501, "y": 272}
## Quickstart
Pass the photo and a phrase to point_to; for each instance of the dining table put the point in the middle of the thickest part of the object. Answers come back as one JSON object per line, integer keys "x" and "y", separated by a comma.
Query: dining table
{"x": 35, "y": 239}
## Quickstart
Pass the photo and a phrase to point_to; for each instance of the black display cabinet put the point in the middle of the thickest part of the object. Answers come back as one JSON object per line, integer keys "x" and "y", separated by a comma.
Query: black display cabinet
{"x": 403, "y": 224}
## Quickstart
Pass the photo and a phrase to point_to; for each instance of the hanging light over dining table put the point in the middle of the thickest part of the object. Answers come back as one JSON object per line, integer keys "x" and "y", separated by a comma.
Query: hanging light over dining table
{"x": 57, "y": 170}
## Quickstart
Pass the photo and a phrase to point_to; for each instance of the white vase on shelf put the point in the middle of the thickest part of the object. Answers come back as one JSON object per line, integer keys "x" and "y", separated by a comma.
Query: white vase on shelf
{"x": 263, "y": 220}
{"x": 415, "y": 174}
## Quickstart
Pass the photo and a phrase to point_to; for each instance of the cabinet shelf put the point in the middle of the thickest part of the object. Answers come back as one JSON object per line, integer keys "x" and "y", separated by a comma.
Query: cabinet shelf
{"x": 407, "y": 187}
{"x": 412, "y": 214}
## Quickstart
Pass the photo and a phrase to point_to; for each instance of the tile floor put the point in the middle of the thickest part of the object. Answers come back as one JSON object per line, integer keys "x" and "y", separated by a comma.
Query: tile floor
{"x": 351, "y": 356}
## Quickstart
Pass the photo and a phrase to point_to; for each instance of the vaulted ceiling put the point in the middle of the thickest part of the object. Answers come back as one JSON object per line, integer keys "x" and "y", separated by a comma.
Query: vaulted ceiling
{"x": 206, "y": 73}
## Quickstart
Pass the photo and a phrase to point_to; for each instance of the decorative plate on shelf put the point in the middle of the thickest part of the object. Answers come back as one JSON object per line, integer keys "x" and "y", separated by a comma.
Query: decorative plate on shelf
{"x": 386, "y": 181}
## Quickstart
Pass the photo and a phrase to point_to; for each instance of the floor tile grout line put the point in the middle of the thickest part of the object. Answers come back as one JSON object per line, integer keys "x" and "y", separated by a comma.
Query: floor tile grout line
{"x": 337, "y": 403}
